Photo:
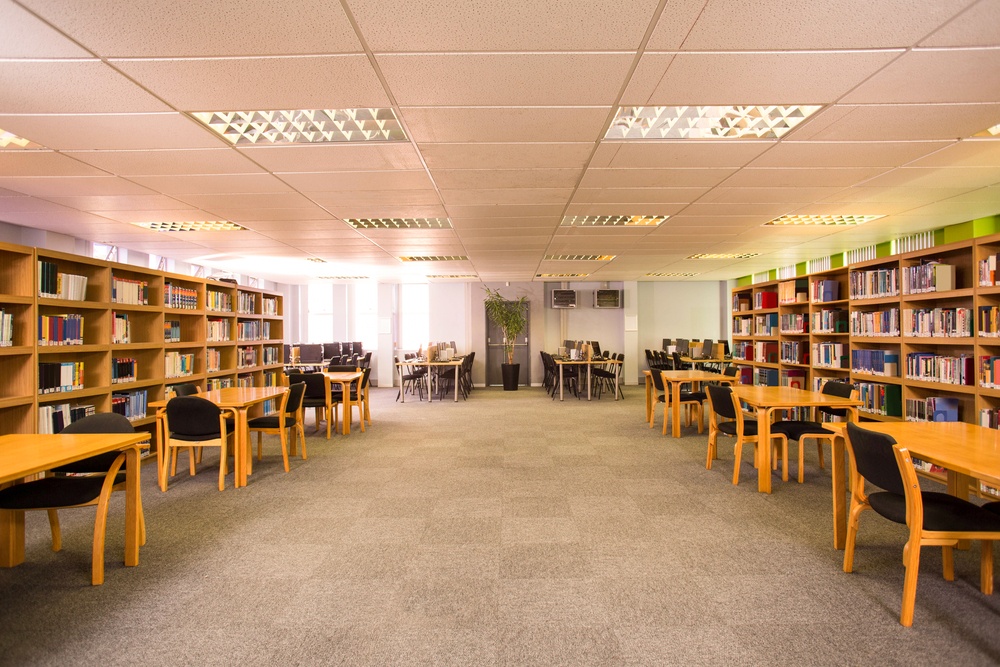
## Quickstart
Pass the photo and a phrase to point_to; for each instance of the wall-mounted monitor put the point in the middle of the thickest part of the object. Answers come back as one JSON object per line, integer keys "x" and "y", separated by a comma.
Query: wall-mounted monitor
{"x": 564, "y": 298}
{"x": 607, "y": 298}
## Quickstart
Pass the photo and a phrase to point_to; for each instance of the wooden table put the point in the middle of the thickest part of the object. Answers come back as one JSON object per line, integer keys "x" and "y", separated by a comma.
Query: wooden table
{"x": 28, "y": 454}
{"x": 344, "y": 379}
{"x": 453, "y": 363}
{"x": 967, "y": 452}
{"x": 237, "y": 399}
{"x": 674, "y": 379}
{"x": 767, "y": 400}
{"x": 583, "y": 362}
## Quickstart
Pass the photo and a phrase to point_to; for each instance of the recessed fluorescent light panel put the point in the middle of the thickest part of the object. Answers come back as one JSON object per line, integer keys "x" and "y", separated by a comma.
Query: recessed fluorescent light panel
{"x": 709, "y": 122}
{"x": 434, "y": 258}
{"x": 399, "y": 223}
{"x": 457, "y": 276}
{"x": 823, "y": 220}
{"x": 990, "y": 132}
{"x": 303, "y": 126}
{"x": 316, "y": 259}
{"x": 671, "y": 274}
{"x": 612, "y": 220}
{"x": 192, "y": 226}
{"x": 10, "y": 140}
{"x": 561, "y": 275}
{"x": 581, "y": 258}
{"x": 342, "y": 277}
{"x": 723, "y": 255}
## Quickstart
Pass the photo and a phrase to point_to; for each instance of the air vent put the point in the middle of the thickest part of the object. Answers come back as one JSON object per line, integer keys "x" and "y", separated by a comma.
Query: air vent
{"x": 564, "y": 298}
{"x": 607, "y": 298}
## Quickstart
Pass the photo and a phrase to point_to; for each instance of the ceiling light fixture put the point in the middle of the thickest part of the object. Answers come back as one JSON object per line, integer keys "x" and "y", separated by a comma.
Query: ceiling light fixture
{"x": 303, "y": 126}
{"x": 612, "y": 220}
{"x": 433, "y": 258}
{"x": 316, "y": 259}
{"x": 399, "y": 223}
{"x": 459, "y": 276}
{"x": 561, "y": 275}
{"x": 192, "y": 226}
{"x": 342, "y": 277}
{"x": 671, "y": 274}
{"x": 581, "y": 258}
{"x": 989, "y": 132}
{"x": 707, "y": 122}
{"x": 822, "y": 220}
{"x": 723, "y": 255}
{"x": 11, "y": 140}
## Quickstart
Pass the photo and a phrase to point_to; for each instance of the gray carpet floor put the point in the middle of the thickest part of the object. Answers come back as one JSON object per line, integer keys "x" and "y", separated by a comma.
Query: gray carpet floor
{"x": 505, "y": 530}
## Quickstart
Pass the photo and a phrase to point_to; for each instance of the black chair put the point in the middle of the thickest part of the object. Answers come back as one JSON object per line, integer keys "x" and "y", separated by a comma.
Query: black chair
{"x": 311, "y": 353}
{"x": 190, "y": 422}
{"x": 318, "y": 397}
{"x": 409, "y": 380}
{"x": 694, "y": 399}
{"x": 570, "y": 378}
{"x": 606, "y": 376}
{"x": 467, "y": 372}
{"x": 549, "y": 371}
{"x": 365, "y": 361}
{"x": 186, "y": 389}
{"x": 678, "y": 364}
{"x": 933, "y": 519}
{"x": 82, "y": 483}
{"x": 289, "y": 416}
{"x": 331, "y": 351}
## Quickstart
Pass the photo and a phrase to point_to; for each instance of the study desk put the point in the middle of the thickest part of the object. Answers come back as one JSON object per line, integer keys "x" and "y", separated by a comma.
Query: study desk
{"x": 28, "y": 454}
{"x": 674, "y": 380}
{"x": 967, "y": 452}
{"x": 237, "y": 399}
{"x": 596, "y": 361}
{"x": 768, "y": 400}
{"x": 344, "y": 379}
{"x": 453, "y": 363}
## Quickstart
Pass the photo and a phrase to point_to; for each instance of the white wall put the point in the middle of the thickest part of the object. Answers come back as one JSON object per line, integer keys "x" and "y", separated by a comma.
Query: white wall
{"x": 680, "y": 310}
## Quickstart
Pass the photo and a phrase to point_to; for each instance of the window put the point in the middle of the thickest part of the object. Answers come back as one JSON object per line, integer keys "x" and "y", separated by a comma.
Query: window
{"x": 319, "y": 327}
{"x": 366, "y": 313}
{"x": 414, "y": 315}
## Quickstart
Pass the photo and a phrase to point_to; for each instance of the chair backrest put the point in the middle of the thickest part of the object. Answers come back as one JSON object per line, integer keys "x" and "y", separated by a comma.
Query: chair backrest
{"x": 874, "y": 459}
{"x": 677, "y": 360}
{"x": 356, "y": 348}
{"x": 682, "y": 346}
{"x": 731, "y": 371}
{"x": 657, "y": 380}
{"x": 186, "y": 389}
{"x": 296, "y": 393}
{"x": 706, "y": 348}
{"x": 288, "y": 353}
{"x": 596, "y": 347}
{"x": 192, "y": 415}
{"x": 839, "y": 389}
{"x": 331, "y": 350}
{"x": 720, "y": 397}
{"x": 315, "y": 383}
{"x": 667, "y": 342}
{"x": 102, "y": 422}
{"x": 342, "y": 368}
{"x": 366, "y": 361}
{"x": 311, "y": 353}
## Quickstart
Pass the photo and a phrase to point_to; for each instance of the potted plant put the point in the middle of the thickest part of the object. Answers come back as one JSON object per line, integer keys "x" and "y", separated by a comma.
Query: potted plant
{"x": 511, "y": 318}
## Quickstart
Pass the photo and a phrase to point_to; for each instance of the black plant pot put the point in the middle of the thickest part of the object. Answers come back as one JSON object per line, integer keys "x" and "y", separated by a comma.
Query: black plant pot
{"x": 511, "y": 373}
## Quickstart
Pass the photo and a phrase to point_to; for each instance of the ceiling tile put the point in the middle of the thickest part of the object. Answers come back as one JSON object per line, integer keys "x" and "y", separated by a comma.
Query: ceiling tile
{"x": 369, "y": 198}
{"x": 453, "y": 179}
{"x": 112, "y": 131}
{"x": 54, "y": 186}
{"x": 320, "y": 157}
{"x": 921, "y": 122}
{"x": 644, "y": 178}
{"x": 347, "y": 181}
{"x": 506, "y": 196}
{"x": 924, "y": 76}
{"x": 677, "y": 154}
{"x": 164, "y": 162}
{"x": 202, "y": 184}
{"x": 627, "y": 196}
{"x": 25, "y": 36}
{"x": 977, "y": 26}
{"x": 71, "y": 87}
{"x": 801, "y": 177}
{"x": 805, "y": 154}
{"x": 496, "y": 124}
{"x": 43, "y": 163}
{"x": 505, "y": 156}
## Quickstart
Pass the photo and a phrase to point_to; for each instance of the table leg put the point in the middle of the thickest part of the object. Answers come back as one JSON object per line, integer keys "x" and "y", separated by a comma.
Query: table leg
{"x": 429, "y": 395}
{"x": 839, "y": 494}
{"x": 242, "y": 445}
{"x": 133, "y": 503}
{"x": 587, "y": 366}
{"x": 161, "y": 449}
{"x": 345, "y": 391}
{"x": 457, "y": 378}
{"x": 560, "y": 382}
{"x": 764, "y": 449}
{"x": 617, "y": 375}
{"x": 649, "y": 398}
{"x": 675, "y": 408}
{"x": 11, "y": 538}
{"x": 402, "y": 394}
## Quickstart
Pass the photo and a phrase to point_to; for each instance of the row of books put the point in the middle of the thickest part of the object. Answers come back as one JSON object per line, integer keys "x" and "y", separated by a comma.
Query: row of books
{"x": 129, "y": 291}
{"x": 932, "y": 409}
{"x": 825, "y": 290}
{"x": 55, "y": 285}
{"x": 829, "y": 355}
{"x": 794, "y": 323}
{"x": 246, "y": 357}
{"x": 765, "y": 300}
{"x": 213, "y": 360}
{"x": 60, "y": 329}
{"x": 989, "y": 372}
{"x": 743, "y": 350}
{"x": 743, "y": 326}
{"x": 219, "y": 301}
{"x": 219, "y": 383}
{"x": 939, "y": 368}
{"x": 880, "y": 399}
{"x": 989, "y": 321}
{"x": 928, "y": 277}
{"x": 793, "y": 377}
{"x": 251, "y": 330}
{"x": 874, "y": 283}
{"x": 794, "y": 352}
{"x": 765, "y": 377}
{"x": 54, "y": 418}
{"x": 55, "y": 377}
{"x": 176, "y": 296}
{"x": 741, "y": 302}
{"x": 124, "y": 369}
{"x": 937, "y": 322}
{"x": 218, "y": 330}
{"x": 876, "y": 323}
{"x": 171, "y": 331}
{"x": 793, "y": 291}
{"x": 272, "y": 355}
{"x": 121, "y": 332}
{"x": 830, "y": 321}
{"x": 269, "y": 306}
{"x": 765, "y": 351}
{"x": 875, "y": 362}
{"x": 176, "y": 364}
{"x": 988, "y": 271}
{"x": 766, "y": 325}
{"x": 6, "y": 328}
{"x": 246, "y": 303}
{"x": 131, "y": 404}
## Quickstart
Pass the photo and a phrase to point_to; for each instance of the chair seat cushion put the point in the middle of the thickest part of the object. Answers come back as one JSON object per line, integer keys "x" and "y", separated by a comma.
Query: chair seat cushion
{"x": 693, "y": 397}
{"x": 269, "y": 421}
{"x": 729, "y": 428}
{"x": 796, "y": 429}
{"x": 51, "y": 492}
{"x": 601, "y": 373}
{"x": 98, "y": 463}
{"x": 314, "y": 402}
{"x": 195, "y": 437}
{"x": 941, "y": 512}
